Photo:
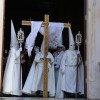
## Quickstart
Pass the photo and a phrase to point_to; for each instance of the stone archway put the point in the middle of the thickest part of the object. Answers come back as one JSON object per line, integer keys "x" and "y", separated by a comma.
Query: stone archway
{"x": 1, "y": 47}
{"x": 1, "y": 38}
{"x": 92, "y": 50}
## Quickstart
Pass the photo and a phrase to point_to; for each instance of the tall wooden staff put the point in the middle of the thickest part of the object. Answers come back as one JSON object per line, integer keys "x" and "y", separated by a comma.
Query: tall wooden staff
{"x": 20, "y": 36}
{"x": 78, "y": 41}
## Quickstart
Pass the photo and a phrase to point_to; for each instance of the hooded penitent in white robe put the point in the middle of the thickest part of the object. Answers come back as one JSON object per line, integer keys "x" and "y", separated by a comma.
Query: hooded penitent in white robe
{"x": 37, "y": 79}
{"x": 12, "y": 79}
{"x": 69, "y": 72}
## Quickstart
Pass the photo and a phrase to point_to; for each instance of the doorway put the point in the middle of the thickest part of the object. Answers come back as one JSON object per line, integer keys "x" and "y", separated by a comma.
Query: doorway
{"x": 58, "y": 10}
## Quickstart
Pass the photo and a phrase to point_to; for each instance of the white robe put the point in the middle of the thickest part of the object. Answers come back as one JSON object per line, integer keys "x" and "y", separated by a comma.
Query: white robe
{"x": 69, "y": 70}
{"x": 29, "y": 80}
{"x": 34, "y": 80}
{"x": 59, "y": 92}
{"x": 11, "y": 80}
{"x": 57, "y": 61}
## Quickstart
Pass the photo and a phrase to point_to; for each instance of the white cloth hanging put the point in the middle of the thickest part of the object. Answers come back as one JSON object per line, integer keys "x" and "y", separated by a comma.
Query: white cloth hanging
{"x": 30, "y": 40}
{"x": 55, "y": 34}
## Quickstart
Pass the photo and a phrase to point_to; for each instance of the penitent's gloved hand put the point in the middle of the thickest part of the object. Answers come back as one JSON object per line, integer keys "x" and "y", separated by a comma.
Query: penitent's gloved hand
{"x": 20, "y": 49}
{"x": 18, "y": 52}
{"x": 62, "y": 71}
{"x": 57, "y": 66}
{"x": 78, "y": 52}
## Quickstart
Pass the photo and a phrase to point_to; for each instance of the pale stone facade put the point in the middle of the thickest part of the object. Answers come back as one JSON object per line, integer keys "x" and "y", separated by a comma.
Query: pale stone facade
{"x": 93, "y": 46}
{"x": 93, "y": 49}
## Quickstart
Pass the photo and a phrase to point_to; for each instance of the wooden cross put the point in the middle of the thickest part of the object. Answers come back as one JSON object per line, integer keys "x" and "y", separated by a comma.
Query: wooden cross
{"x": 45, "y": 81}
{"x": 45, "y": 25}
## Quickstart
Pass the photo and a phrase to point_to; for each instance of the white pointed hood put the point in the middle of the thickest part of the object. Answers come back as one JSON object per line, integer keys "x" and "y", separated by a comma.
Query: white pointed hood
{"x": 71, "y": 40}
{"x": 14, "y": 41}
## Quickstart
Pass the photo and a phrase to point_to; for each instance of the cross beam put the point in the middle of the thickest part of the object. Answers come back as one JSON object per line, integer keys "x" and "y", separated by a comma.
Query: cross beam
{"x": 28, "y": 23}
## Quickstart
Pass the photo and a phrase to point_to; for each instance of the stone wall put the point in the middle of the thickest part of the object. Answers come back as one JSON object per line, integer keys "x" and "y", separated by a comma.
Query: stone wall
{"x": 93, "y": 49}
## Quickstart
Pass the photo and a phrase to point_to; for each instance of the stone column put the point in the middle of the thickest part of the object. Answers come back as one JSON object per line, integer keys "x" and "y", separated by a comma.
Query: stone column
{"x": 93, "y": 49}
{"x": 1, "y": 37}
